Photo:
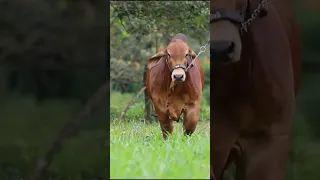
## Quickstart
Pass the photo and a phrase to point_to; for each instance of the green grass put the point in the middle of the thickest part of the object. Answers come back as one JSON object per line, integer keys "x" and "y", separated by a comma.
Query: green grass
{"x": 137, "y": 150}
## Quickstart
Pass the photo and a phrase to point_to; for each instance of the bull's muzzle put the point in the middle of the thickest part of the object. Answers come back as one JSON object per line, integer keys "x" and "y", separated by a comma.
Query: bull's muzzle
{"x": 178, "y": 75}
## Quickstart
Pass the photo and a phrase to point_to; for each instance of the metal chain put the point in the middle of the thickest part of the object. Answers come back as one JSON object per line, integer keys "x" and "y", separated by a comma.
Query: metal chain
{"x": 244, "y": 27}
{"x": 254, "y": 15}
{"x": 202, "y": 49}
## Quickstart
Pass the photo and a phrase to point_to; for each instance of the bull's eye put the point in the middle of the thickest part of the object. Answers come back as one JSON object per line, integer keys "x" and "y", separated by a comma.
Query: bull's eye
{"x": 187, "y": 55}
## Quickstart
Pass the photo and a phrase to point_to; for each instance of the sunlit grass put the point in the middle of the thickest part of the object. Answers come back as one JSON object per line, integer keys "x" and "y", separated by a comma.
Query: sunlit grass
{"x": 137, "y": 150}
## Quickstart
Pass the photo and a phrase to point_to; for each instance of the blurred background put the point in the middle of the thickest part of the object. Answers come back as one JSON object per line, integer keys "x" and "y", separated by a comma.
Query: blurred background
{"x": 305, "y": 155}
{"x": 52, "y": 59}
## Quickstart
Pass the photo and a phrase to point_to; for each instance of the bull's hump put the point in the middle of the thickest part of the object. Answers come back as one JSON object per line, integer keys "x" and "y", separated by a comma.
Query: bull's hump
{"x": 181, "y": 37}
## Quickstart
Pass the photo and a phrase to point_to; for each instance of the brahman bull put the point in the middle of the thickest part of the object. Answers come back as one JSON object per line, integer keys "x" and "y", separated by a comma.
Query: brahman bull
{"x": 172, "y": 89}
{"x": 256, "y": 65}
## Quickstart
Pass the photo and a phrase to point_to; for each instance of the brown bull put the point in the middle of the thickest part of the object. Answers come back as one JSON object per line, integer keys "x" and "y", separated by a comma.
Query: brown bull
{"x": 172, "y": 90}
{"x": 255, "y": 75}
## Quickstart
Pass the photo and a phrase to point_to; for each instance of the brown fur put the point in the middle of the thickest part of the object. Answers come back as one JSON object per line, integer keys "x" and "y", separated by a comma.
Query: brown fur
{"x": 253, "y": 100}
{"x": 185, "y": 97}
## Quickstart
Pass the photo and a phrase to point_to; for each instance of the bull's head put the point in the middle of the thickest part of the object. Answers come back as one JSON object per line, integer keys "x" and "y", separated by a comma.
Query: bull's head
{"x": 227, "y": 16}
{"x": 176, "y": 56}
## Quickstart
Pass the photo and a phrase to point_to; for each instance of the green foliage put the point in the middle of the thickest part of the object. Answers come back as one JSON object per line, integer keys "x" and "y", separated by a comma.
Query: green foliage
{"x": 143, "y": 17}
{"x": 137, "y": 150}
{"x": 126, "y": 75}
{"x": 309, "y": 96}
{"x": 206, "y": 69}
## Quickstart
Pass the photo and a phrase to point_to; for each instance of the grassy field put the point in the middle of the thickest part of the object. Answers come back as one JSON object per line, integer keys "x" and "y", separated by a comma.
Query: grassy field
{"x": 137, "y": 149}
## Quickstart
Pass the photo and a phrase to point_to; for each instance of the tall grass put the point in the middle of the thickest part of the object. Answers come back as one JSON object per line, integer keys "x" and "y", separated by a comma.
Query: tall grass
{"x": 137, "y": 149}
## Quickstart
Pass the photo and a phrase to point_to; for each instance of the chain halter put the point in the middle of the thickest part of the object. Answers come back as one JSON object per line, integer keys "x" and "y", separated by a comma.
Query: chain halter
{"x": 202, "y": 49}
{"x": 238, "y": 16}
{"x": 254, "y": 15}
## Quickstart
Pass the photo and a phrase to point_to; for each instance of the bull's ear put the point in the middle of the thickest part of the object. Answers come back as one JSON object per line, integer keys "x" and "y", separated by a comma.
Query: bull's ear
{"x": 191, "y": 53}
{"x": 155, "y": 58}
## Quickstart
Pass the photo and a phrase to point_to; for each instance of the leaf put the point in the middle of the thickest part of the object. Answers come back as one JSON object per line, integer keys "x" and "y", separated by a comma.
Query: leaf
{"x": 125, "y": 34}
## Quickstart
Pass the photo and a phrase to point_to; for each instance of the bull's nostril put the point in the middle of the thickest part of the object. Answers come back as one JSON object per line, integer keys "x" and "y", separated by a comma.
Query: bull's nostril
{"x": 222, "y": 50}
{"x": 221, "y": 46}
{"x": 231, "y": 48}
{"x": 178, "y": 76}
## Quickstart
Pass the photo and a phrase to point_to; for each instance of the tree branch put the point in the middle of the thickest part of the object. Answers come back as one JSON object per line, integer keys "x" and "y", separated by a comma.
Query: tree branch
{"x": 68, "y": 131}
{"x": 123, "y": 113}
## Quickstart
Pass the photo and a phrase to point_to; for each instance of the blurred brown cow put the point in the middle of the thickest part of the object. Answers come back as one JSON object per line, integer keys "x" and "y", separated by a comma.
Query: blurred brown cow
{"x": 172, "y": 89}
{"x": 256, "y": 52}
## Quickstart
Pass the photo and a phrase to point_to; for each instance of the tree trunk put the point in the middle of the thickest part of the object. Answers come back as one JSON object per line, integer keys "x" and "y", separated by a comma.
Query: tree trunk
{"x": 68, "y": 131}
{"x": 146, "y": 97}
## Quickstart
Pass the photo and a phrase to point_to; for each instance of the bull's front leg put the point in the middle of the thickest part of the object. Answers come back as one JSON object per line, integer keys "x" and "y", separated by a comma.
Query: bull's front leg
{"x": 266, "y": 156}
{"x": 222, "y": 139}
{"x": 166, "y": 124}
{"x": 191, "y": 118}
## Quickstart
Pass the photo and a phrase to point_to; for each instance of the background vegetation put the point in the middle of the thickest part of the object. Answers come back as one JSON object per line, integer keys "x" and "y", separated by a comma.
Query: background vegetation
{"x": 305, "y": 155}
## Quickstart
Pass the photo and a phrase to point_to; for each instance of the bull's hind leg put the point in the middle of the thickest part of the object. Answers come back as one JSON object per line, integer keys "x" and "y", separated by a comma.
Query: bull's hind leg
{"x": 191, "y": 118}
